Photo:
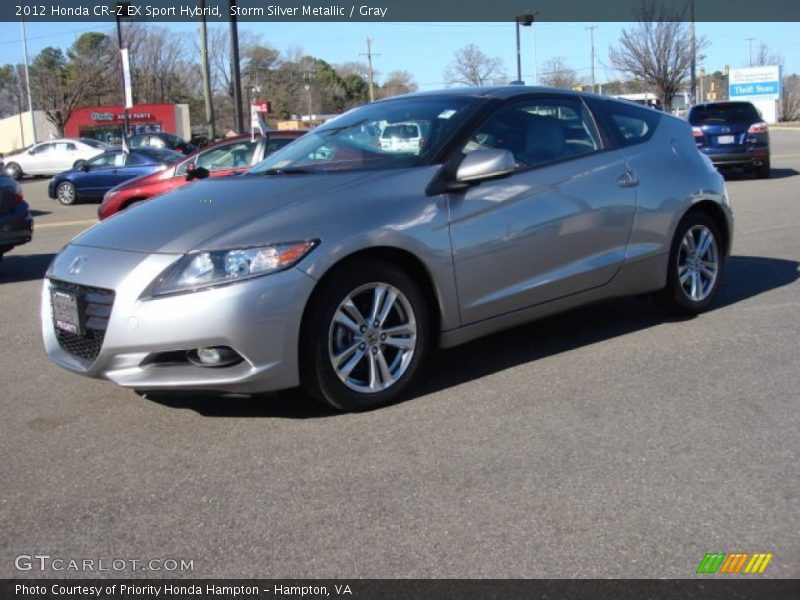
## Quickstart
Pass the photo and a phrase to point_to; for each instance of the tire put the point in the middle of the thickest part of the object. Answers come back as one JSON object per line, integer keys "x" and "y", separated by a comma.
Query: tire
{"x": 374, "y": 366}
{"x": 701, "y": 274}
{"x": 14, "y": 170}
{"x": 66, "y": 194}
{"x": 763, "y": 171}
{"x": 78, "y": 164}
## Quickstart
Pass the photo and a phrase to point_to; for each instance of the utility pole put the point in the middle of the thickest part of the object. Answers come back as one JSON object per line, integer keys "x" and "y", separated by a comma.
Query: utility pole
{"x": 236, "y": 76}
{"x": 750, "y": 42}
{"x": 591, "y": 35}
{"x": 519, "y": 56}
{"x": 369, "y": 54}
{"x": 206, "y": 75}
{"x": 28, "y": 80}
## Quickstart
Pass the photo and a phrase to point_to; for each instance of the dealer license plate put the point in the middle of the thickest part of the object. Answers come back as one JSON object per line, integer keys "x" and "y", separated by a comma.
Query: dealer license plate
{"x": 65, "y": 312}
{"x": 725, "y": 139}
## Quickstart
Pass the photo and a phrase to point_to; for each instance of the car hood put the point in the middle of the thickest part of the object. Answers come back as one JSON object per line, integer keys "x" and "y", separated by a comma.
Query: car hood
{"x": 192, "y": 216}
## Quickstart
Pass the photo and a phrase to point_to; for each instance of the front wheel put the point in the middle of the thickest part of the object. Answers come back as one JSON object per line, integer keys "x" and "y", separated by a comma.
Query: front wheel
{"x": 696, "y": 262}
{"x": 65, "y": 192}
{"x": 365, "y": 336}
{"x": 14, "y": 170}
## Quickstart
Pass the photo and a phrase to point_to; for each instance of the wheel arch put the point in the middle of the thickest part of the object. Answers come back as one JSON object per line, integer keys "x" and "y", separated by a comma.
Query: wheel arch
{"x": 130, "y": 201}
{"x": 402, "y": 259}
{"x": 717, "y": 213}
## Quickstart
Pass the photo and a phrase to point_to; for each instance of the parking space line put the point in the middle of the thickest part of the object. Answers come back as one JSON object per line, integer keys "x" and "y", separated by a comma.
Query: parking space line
{"x": 64, "y": 224}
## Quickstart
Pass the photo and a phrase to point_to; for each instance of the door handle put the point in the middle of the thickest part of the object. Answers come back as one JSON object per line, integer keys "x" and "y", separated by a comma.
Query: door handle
{"x": 627, "y": 179}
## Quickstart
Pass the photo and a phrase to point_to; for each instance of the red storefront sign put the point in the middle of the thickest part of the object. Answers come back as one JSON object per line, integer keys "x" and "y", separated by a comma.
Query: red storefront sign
{"x": 155, "y": 117}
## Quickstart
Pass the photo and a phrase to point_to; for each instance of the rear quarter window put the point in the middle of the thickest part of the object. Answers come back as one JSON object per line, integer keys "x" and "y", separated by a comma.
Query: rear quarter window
{"x": 631, "y": 124}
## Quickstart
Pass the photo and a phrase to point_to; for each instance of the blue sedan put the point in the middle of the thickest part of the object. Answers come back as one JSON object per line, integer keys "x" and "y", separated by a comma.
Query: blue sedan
{"x": 95, "y": 177}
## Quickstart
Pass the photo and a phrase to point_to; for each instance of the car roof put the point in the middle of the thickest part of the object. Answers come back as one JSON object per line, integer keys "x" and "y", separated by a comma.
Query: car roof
{"x": 724, "y": 103}
{"x": 497, "y": 91}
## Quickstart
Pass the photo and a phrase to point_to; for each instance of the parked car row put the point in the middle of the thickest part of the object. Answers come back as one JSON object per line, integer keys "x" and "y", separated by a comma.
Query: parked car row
{"x": 227, "y": 157}
{"x": 337, "y": 265}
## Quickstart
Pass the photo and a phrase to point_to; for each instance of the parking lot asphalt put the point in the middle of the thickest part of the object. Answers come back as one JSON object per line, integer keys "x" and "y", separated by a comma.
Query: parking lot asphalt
{"x": 606, "y": 442}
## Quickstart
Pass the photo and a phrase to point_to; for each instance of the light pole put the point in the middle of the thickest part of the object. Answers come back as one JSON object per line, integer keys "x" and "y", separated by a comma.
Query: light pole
{"x": 122, "y": 7}
{"x": 525, "y": 20}
{"x": 28, "y": 83}
{"x": 208, "y": 100}
{"x": 236, "y": 75}
{"x": 750, "y": 44}
{"x": 693, "y": 74}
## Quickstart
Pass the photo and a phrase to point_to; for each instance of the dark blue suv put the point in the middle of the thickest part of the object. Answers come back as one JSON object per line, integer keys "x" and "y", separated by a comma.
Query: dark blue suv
{"x": 733, "y": 135}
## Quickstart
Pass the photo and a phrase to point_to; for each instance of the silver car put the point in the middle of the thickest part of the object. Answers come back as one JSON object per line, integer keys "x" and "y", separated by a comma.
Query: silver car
{"x": 337, "y": 265}
{"x": 53, "y": 156}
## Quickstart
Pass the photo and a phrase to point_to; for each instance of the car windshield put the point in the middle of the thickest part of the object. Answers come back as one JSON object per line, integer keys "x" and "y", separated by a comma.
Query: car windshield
{"x": 356, "y": 139}
{"x": 723, "y": 113}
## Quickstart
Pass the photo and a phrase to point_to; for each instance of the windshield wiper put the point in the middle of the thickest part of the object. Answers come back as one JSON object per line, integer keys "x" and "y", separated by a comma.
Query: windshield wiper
{"x": 289, "y": 171}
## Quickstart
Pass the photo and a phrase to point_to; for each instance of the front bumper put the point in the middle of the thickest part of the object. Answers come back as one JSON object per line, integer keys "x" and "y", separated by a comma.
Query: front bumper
{"x": 259, "y": 318}
{"x": 16, "y": 227}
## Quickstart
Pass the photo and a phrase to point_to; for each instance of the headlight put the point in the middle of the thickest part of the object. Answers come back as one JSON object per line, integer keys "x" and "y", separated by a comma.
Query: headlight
{"x": 110, "y": 194}
{"x": 205, "y": 269}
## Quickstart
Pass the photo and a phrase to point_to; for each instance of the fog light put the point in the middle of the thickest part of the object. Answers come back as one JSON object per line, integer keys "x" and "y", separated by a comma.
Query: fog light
{"x": 214, "y": 356}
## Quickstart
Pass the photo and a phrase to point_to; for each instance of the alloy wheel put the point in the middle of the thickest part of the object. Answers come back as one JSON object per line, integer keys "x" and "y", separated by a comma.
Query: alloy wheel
{"x": 698, "y": 263}
{"x": 372, "y": 338}
{"x": 66, "y": 193}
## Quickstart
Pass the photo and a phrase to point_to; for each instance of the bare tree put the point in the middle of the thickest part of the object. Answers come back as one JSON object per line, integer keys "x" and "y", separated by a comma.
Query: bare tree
{"x": 657, "y": 50}
{"x": 470, "y": 66}
{"x": 790, "y": 98}
{"x": 766, "y": 57}
{"x": 557, "y": 73}
{"x": 12, "y": 90}
{"x": 398, "y": 82}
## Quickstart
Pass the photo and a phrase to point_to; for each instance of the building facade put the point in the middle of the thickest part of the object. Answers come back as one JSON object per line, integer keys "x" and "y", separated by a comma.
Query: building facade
{"x": 105, "y": 123}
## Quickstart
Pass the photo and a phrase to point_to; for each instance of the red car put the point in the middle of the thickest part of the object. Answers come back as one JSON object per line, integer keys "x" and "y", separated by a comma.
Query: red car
{"x": 226, "y": 157}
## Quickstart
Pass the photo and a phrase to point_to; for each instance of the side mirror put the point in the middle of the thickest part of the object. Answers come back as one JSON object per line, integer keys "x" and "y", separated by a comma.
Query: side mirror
{"x": 84, "y": 167}
{"x": 485, "y": 164}
{"x": 193, "y": 172}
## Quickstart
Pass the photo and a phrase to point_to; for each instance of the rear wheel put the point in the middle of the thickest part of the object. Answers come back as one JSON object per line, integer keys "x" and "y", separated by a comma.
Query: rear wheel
{"x": 65, "y": 192}
{"x": 14, "y": 170}
{"x": 763, "y": 171}
{"x": 696, "y": 262}
{"x": 366, "y": 336}
{"x": 78, "y": 164}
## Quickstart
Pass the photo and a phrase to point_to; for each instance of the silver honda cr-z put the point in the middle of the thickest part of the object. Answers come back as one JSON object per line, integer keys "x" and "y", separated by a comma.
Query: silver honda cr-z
{"x": 341, "y": 260}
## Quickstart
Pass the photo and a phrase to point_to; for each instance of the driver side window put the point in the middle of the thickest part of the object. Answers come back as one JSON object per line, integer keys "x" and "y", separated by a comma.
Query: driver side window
{"x": 539, "y": 131}
{"x": 232, "y": 156}
{"x": 104, "y": 160}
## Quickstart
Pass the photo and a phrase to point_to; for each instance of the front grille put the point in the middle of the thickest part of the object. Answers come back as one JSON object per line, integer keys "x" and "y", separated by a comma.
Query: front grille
{"x": 95, "y": 306}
